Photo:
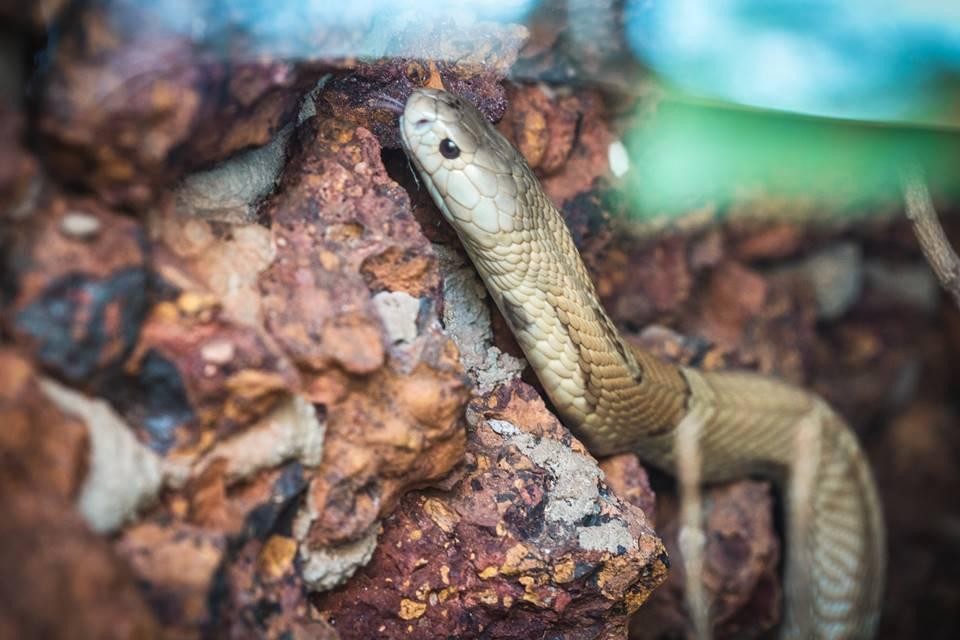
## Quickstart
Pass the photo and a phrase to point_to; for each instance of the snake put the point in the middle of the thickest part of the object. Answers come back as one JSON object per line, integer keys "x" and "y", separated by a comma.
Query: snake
{"x": 618, "y": 398}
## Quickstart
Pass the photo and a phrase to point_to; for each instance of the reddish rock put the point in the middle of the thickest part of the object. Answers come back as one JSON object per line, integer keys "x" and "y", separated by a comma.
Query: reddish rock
{"x": 473, "y": 65}
{"x": 127, "y": 103}
{"x": 543, "y": 129}
{"x": 735, "y": 296}
{"x": 59, "y": 579}
{"x": 740, "y": 567}
{"x": 765, "y": 322}
{"x": 565, "y": 139}
{"x": 18, "y": 168}
{"x": 385, "y": 435}
{"x": 176, "y": 566}
{"x": 267, "y": 597}
{"x": 918, "y": 474}
{"x": 872, "y": 365}
{"x": 81, "y": 281}
{"x": 765, "y": 241}
{"x": 641, "y": 283}
{"x": 339, "y": 222}
{"x": 52, "y": 465}
{"x": 528, "y": 541}
{"x": 389, "y": 380}
{"x": 191, "y": 555}
{"x": 196, "y": 371}
{"x": 629, "y": 480}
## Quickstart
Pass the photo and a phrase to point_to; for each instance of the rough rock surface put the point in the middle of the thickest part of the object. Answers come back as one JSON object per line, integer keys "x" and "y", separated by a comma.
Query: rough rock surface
{"x": 127, "y": 102}
{"x": 473, "y": 65}
{"x": 394, "y": 407}
{"x": 59, "y": 579}
{"x": 528, "y": 541}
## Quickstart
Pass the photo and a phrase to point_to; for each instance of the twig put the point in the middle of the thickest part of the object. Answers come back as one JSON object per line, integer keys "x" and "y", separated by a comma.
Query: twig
{"x": 926, "y": 226}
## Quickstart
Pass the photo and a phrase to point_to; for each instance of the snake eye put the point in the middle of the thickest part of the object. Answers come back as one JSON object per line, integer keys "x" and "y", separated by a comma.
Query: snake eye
{"x": 449, "y": 149}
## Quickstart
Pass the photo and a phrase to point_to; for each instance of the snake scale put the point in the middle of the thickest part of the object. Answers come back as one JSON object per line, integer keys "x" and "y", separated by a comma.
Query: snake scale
{"x": 618, "y": 398}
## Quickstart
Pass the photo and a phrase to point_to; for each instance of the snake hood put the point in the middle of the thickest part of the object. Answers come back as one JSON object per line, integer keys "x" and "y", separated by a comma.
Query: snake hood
{"x": 470, "y": 169}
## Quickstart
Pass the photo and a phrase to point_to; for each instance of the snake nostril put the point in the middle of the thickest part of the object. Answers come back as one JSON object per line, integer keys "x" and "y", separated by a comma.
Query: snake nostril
{"x": 421, "y": 125}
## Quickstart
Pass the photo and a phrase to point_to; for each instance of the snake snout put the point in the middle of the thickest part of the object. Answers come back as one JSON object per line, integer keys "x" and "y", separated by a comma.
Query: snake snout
{"x": 420, "y": 111}
{"x": 422, "y": 125}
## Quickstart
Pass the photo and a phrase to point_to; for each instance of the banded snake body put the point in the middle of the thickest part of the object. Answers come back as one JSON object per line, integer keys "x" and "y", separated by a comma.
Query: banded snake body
{"x": 617, "y": 398}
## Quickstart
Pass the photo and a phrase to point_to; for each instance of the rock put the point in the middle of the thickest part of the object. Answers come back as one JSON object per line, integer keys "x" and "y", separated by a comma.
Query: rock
{"x": 473, "y": 64}
{"x": 205, "y": 257}
{"x": 916, "y": 470}
{"x": 640, "y": 283}
{"x": 384, "y": 435}
{"x": 176, "y": 565}
{"x": 467, "y": 317}
{"x": 911, "y": 284}
{"x": 542, "y": 127}
{"x": 327, "y": 567}
{"x": 19, "y": 180}
{"x": 753, "y": 241}
{"x": 180, "y": 393}
{"x": 78, "y": 300}
{"x": 529, "y": 541}
{"x": 740, "y": 567}
{"x": 232, "y": 190}
{"x": 736, "y": 295}
{"x": 267, "y": 599}
{"x": 564, "y": 137}
{"x": 629, "y": 480}
{"x": 394, "y": 408}
{"x": 127, "y": 101}
{"x": 122, "y": 477}
{"x": 192, "y": 555}
{"x": 318, "y": 276}
{"x": 835, "y": 274}
{"x": 59, "y": 579}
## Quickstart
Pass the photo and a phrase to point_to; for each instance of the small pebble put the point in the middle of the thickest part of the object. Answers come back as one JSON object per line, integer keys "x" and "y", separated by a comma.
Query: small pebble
{"x": 618, "y": 158}
{"x": 836, "y": 274}
{"x": 80, "y": 225}
{"x": 218, "y": 351}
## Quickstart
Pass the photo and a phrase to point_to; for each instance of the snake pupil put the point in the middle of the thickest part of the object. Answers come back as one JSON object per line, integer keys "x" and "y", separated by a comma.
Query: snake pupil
{"x": 449, "y": 149}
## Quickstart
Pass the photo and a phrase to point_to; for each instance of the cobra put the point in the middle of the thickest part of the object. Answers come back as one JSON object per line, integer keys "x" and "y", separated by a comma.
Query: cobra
{"x": 618, "y": 398}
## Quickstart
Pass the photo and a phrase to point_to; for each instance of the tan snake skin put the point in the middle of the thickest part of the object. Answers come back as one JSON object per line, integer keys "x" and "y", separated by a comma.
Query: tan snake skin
{"x": 621, "y": 399}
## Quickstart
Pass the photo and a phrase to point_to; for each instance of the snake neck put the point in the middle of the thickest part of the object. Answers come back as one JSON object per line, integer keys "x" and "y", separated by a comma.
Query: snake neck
{"x": 611, "y": 395}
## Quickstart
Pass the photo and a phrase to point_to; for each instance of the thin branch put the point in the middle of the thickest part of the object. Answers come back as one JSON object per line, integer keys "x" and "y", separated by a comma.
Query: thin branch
{"x": 926, "y": 226}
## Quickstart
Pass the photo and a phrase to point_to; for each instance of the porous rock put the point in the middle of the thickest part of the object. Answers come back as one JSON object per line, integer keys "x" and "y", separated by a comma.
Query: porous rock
{"x": 394, "y": 408}
{"x": 528, "y": 541}
{"x": 473, "y": 65}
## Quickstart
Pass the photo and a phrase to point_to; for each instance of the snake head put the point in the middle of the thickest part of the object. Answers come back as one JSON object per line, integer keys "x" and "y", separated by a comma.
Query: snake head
{"x": 470, "y": 169}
